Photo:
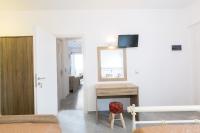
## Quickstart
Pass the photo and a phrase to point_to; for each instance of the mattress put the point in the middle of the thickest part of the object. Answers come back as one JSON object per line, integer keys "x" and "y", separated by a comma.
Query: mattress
{"x": 29, "y": 124}
{"x": 170, "y": 129}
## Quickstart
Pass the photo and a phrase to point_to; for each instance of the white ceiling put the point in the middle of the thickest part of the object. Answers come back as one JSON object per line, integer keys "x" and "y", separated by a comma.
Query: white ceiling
{"x": 92, "y": 4}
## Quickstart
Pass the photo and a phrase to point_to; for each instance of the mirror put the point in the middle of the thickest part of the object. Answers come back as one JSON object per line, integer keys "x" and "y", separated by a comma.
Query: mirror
{"x": 111, "y": 64}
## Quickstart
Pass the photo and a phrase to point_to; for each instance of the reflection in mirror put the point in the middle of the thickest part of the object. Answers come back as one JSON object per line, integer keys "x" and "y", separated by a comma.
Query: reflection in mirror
{"x": 112, "y": 64}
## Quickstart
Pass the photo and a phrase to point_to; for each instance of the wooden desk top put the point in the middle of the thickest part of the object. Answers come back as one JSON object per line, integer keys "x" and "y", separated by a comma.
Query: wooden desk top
{"x": 115, "y": 85}
{"x": 116, "y": 89}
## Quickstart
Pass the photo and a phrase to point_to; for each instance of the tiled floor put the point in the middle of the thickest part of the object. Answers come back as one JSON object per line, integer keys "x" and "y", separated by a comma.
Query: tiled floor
{"x": 74, "y": 101}
{"x": 75, "y": 121}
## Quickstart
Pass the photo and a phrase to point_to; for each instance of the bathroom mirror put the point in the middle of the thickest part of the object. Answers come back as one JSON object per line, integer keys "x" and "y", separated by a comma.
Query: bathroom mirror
{"x": 111, "y": 64}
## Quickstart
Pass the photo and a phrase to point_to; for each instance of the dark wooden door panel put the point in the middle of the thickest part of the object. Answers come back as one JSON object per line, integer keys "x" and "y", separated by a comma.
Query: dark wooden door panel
{"x": 16, "y": 65}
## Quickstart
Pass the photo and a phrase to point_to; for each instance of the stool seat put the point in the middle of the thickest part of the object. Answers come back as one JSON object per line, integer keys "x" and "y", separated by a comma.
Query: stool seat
{"x": 116, "y": 107}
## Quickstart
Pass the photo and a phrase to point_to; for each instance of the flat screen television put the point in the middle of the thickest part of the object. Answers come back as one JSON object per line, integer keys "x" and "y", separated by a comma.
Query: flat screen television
{"x": 125, "y": 41}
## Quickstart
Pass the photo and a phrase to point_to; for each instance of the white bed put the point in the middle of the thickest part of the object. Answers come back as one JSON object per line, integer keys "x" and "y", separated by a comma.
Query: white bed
{"x": 180, "y": 128}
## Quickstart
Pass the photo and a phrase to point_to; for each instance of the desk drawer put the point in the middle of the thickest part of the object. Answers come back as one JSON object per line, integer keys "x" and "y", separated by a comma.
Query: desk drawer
{"x": 116, "y": 91}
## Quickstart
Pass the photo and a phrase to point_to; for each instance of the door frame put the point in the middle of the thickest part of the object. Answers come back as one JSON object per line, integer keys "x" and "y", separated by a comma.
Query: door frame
{"x": 35, "y": 70}
{"x": 83, "y": 47}
{"x": 82, "y": 37}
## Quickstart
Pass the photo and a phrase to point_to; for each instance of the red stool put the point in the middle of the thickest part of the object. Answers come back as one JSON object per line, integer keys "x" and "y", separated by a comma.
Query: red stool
{"x": 116, "y": 108}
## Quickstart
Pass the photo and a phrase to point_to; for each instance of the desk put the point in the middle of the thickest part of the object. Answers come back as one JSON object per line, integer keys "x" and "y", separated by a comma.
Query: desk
{"x": 117, "y": 90}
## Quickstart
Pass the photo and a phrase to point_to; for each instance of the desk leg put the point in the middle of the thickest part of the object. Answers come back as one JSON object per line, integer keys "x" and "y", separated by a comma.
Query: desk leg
{"x": 135, "y": 100}
{"x": 97, "y": 114}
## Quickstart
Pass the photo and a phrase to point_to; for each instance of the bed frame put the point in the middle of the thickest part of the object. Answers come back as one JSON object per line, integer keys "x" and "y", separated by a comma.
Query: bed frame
{"x": 133, "y": 110}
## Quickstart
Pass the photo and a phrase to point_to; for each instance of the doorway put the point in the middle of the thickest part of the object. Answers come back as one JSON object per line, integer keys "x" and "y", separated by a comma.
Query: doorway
{"x": 70, "y": 73}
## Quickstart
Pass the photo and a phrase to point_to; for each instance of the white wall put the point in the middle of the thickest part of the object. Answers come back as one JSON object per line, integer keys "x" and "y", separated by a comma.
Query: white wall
{"x": 193, "y": 13}
{"x": 195, "y": 39}
{"x": 194, "y": 30}
{"x": 192, "y": 18}
{"x": 164, "y": 76}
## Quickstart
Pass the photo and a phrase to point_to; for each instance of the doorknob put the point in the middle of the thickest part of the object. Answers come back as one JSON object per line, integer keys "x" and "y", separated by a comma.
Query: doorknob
{"x": 41, "y": 78}
{"x": 40, "y": 84}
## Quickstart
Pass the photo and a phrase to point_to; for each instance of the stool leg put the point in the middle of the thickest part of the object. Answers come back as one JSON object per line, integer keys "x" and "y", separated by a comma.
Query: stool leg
{"x": 122, "y": 120}
{"x": 110, "y": 116}
{"x": 112, "y": 120}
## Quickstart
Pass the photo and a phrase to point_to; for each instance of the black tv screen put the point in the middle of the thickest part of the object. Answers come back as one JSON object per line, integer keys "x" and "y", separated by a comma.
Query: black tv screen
{"x": 125, "y": 41}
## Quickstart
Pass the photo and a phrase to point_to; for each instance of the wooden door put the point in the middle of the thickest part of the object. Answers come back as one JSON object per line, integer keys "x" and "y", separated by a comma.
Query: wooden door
{"x": 16, "y": 75}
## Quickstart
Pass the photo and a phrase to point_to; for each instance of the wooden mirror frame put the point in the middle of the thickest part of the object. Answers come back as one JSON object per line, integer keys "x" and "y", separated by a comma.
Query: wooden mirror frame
{"x": 99, "y": 49}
